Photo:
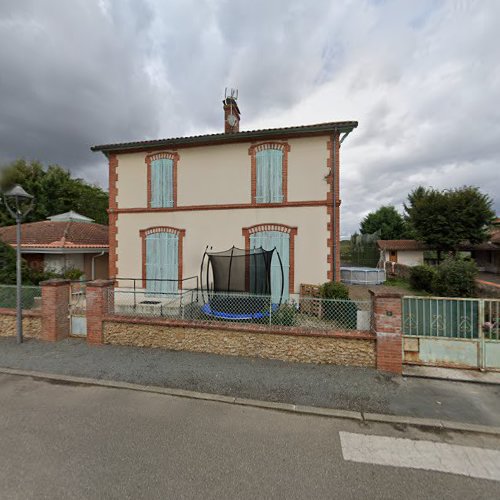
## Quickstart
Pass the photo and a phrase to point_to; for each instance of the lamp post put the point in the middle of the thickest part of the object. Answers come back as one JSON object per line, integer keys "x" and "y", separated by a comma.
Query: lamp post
{"x": 19, "y": 204}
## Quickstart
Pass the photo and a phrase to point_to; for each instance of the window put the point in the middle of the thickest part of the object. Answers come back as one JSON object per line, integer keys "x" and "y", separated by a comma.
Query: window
{"x": 269, "y": 167}
{"x": 281, "y": 237}
{"x": 162, "y": 251}
{"x": 269, "y": 240}
{"x": 162, "y": 183}
{"x": 162, "y": 259}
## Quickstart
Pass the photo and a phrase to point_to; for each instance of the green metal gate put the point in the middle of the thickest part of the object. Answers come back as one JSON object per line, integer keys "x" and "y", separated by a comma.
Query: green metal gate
{"x": 451, "y": 332}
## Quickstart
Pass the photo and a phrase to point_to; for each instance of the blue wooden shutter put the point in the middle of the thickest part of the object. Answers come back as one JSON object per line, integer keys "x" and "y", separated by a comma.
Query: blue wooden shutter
{"x": 262, "y": 192}
{"x": 275, "y": 175}
{"x": 269, "y": 173}
{"x": 281, "y": 241}
{"x": 162, "y": 183}
{"x": 156, "y": 174}
{"x": 162, "y": 262}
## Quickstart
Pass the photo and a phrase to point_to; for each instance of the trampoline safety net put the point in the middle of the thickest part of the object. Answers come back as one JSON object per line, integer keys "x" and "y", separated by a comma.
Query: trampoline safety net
{"x": 241, "y": 286}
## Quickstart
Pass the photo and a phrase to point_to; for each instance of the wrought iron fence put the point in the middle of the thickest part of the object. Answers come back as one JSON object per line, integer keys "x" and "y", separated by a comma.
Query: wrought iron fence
{"x": 451, "y": 317}
{"x": 31, "y": 296}
{"x": 303, "y": 312}
{"x": 491, "y": 325}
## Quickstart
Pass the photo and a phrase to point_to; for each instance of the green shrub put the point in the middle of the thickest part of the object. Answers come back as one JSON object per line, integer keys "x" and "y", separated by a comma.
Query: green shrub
{"x": 334, "y": 290}
{"x": 36, "y": 276}
{"x": 421, "y": 277}
{"x": 72, "y": 274}
{"x": 455, "y": 277}
{"x": 285, "y": 315}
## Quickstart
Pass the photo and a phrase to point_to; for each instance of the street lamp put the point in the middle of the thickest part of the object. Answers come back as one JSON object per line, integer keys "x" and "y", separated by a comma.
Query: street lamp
{"x": 19, "y": 204}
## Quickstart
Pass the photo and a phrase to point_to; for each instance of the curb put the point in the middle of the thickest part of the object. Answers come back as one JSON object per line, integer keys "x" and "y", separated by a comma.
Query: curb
{"x": 409, "y": 372}
{"x": 269, "y": 405}
{"x": 462, "y": 381}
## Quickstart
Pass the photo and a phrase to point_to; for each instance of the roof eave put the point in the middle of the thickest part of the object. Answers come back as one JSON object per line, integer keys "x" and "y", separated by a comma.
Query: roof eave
{"x": 63, "y": 250}
{"x": 213, "y": 139}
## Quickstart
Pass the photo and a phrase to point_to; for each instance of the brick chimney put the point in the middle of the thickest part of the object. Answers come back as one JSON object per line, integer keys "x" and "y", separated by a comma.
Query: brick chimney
{"x": 231, "y": 115}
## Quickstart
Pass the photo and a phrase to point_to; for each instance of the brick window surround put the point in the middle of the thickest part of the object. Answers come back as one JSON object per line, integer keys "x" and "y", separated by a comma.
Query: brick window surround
{"x": 170, "y": 155}
{"x": 292, "y": 231}
{"x": 252, "y": 151}
{"x": 163, "y": 229}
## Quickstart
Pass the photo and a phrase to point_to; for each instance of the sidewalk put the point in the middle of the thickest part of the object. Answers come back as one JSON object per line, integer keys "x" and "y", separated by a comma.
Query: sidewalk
{"x": 340, "y": 387}
{"x": 452, "y": 374}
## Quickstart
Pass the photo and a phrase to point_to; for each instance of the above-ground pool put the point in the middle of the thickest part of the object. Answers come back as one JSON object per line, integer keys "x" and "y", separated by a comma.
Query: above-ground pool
{"x": 362, "y": 275}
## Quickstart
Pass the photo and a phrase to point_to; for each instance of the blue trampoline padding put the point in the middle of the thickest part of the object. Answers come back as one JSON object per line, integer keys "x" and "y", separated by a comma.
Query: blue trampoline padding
{"x": 221, "y": 314}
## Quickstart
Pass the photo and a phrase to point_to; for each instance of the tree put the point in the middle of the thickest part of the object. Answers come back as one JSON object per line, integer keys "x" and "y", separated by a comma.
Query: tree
{"x": 7, "y": 264}
{"x": 55, "y": 192}
{"x": 388, "y": 221}
{"x": 455, "y": 277}
{"x": 447, "y": 219}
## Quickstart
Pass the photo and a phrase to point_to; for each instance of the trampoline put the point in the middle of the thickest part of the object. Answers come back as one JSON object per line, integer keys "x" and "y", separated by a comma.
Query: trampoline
{"x": 236, "y": 284}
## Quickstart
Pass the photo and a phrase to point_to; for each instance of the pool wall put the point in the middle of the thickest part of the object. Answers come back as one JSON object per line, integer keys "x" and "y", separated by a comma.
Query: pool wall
{"x": 362, "y": 275}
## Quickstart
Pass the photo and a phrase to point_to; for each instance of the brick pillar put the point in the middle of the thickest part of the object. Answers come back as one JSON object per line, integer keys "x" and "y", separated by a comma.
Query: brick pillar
{"x": 55, "y": 309}
{"x": 386, "y": 324}
{"x": 100, "y": 302}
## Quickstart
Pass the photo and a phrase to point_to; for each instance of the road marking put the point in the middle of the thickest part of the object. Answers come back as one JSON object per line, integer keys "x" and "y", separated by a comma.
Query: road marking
{"x": 428, "y": 455}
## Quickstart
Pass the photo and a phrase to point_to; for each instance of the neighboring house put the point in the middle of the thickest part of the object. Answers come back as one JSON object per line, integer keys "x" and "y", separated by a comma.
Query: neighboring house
{"x": 487, "y": 255}
{"x": 63, "y": 242}
{"x": 406, "y": 252}
{"x": 171, "y": 198}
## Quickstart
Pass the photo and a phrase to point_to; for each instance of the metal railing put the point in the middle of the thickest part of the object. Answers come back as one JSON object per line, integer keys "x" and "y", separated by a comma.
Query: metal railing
{"x": 491, "y": 316}
{"x": 31, "y": 296}
{"x": 303, "y": 312}
{"x": 153, "y": 286}
{"x": 451, "y": 317}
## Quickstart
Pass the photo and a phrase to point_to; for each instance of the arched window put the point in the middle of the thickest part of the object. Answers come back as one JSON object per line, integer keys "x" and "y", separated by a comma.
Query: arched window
{"x": 269, "y": 172}
{"x": 281, "y": 237}
{"x": 162, "y": 179}
{"x": 162, "y": 259}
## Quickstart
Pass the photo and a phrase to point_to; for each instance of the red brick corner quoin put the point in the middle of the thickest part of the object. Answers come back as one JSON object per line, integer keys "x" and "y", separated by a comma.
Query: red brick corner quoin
{"x": 163, "y": 229}
{"x": 292, "y": 231}
{"x": 333, "y": 211}
{"x": 113, "y": 215}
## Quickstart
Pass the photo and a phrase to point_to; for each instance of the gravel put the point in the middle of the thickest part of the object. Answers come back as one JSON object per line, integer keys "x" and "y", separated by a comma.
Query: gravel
{"x": 343, "y": 387}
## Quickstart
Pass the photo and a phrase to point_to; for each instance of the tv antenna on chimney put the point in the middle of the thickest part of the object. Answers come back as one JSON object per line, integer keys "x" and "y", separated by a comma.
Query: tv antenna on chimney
{"x": 233, "y": 94}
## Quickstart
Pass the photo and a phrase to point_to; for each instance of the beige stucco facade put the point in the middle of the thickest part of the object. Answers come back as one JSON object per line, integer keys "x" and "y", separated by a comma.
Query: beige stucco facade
{"x": 214, "y": 204}
{"x": 222, "y": 229}
{"x": 406, "y": 257}
{"x": 221, "y": 174}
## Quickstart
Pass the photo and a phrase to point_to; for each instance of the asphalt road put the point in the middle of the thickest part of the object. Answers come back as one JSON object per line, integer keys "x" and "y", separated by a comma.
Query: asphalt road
{"x": 342, "y": 387}
{"x": 75, "y": 442}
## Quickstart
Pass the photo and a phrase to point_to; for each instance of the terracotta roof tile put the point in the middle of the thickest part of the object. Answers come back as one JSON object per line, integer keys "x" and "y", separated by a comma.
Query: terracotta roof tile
{"x": 495, "y": 236}
{"x": 402, "y": 245}
{"x": 48, "y": 234}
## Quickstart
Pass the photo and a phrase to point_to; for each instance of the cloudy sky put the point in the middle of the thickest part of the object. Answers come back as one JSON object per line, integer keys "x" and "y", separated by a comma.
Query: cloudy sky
{"x": 421, "y": 77}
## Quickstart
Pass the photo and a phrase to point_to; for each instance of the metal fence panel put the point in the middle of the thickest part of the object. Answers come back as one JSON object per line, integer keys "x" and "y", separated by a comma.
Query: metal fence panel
{"x": 306, "y": 312}
{"x": 441, "y": 317}
{"x": 31, "y": 296}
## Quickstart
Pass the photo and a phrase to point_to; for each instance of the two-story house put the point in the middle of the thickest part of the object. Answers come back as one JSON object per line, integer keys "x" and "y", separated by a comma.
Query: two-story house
{"x": 171, "y": 198}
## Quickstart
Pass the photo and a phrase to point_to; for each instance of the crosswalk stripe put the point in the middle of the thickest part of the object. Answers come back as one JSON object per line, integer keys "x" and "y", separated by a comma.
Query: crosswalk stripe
{"x": 427, "y": 455}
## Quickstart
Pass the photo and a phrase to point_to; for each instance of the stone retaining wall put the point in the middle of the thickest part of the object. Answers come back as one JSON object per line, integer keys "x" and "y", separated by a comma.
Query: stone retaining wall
{"x": 338, "y": 348}
{"x": 32, "y": 323}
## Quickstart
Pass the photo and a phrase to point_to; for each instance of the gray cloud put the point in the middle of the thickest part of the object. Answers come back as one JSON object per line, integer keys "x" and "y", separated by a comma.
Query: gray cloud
{"x": 422, "y": 78}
